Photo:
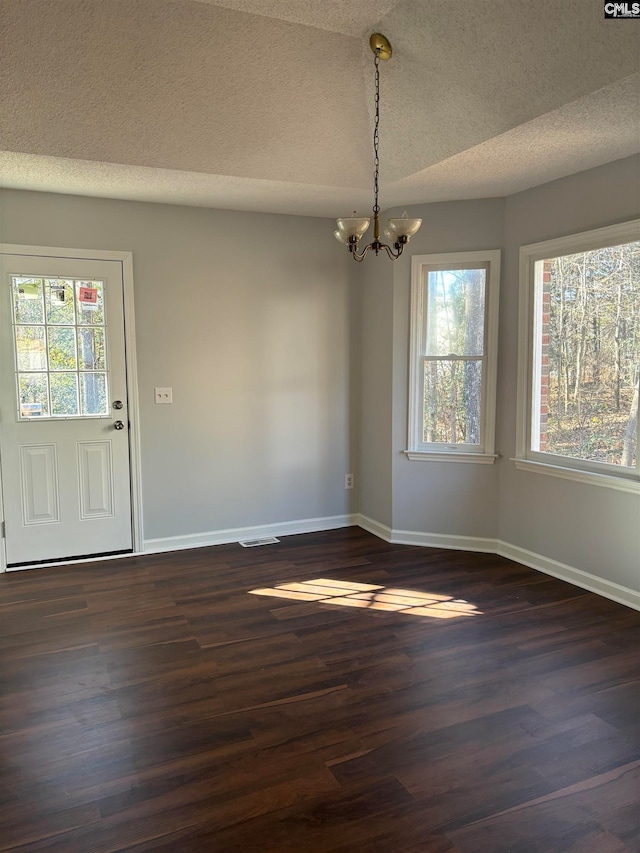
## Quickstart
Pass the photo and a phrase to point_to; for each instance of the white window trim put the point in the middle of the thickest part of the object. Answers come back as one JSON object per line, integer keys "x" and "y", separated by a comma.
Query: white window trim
{"x": 416, "y": 450}
{"x": 578, "y": 470}
{"x": 451, "y": 455}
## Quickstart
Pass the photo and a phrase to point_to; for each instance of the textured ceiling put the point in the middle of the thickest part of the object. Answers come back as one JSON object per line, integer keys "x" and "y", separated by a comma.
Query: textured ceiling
{"x": 267, "y": 104}
{"x": 352, "y": 18}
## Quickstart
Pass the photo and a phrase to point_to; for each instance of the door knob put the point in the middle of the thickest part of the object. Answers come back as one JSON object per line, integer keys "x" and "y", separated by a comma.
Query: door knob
{"x": 118, "y": 425}
{"x": 118, "y": 404}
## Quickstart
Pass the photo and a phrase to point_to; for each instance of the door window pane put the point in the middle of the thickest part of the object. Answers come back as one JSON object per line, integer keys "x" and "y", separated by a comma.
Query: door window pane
{"x": 33, "y": 395}
{"x": 27, "y": 300}
{"x": 62, "y": 348}
{"x": 90, "y": 303}
{"x": 60, "y": 336}
{"x": 64, "y": 393}
{"x": 93, "y": 394}
{"x": 91, "y": 348}
{"x": 30, "y": 347}
{"x": 59, "y": 302}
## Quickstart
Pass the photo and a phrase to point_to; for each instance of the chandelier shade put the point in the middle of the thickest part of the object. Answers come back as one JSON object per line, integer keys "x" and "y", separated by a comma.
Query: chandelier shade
{"x": 351, "y": 229}
{"x": 402, "y": 227}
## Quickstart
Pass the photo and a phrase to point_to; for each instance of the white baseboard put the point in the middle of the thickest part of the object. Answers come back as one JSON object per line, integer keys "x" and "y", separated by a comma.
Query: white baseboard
{"x": 584, "y": 580}
{"x": 601, "y": 586}
{"x": 426, "y": 540}
{"x": 441, "y": 540}
{"x": 577, "y": 577}
{"x": 377, "y": 528}
{"x": 235, "y": 534}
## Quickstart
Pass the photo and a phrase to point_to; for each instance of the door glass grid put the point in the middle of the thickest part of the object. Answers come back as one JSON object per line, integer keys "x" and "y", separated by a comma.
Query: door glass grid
{"x": 60, "y": 347}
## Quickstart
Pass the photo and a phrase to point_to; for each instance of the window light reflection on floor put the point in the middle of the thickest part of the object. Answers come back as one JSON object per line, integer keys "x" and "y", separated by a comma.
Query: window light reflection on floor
{"x": 372, "y": 597}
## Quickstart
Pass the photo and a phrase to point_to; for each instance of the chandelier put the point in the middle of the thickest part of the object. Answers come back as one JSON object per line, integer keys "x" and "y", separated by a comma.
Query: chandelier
{"x": 351, "y": 229}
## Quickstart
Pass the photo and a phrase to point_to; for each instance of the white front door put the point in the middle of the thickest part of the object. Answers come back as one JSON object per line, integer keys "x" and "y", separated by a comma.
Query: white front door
{"x": 64, "y": 436}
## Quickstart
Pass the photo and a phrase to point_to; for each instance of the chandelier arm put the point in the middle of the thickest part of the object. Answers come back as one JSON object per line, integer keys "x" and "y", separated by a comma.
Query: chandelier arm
{"x": 394, "y": 255}
{"x": 360, "y": 256}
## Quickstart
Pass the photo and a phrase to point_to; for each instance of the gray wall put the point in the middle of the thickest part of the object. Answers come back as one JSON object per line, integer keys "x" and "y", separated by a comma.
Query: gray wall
{"x": 248, "y": 317}
{"x": 289, "y": 365}
{"x": 376, "y": 383}
{"x": 427, "y": 497}
{"x": 440, "y": 497}
{"x": 592, "y": 528}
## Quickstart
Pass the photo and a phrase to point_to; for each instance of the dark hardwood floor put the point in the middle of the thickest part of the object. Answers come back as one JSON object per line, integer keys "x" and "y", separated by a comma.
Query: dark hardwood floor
{"x": 433, "y": 701}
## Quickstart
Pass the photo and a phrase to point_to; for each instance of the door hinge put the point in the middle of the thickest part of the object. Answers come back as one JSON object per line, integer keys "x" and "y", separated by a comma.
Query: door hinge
{"x": 2, "y": 536}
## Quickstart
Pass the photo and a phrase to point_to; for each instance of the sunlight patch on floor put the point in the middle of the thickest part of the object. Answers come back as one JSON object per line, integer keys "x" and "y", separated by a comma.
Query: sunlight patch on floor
{"x": 372, "y": 597}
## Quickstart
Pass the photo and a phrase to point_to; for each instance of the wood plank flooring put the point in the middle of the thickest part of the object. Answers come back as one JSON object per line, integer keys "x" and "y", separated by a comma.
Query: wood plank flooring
{"x": 444, "y": 702}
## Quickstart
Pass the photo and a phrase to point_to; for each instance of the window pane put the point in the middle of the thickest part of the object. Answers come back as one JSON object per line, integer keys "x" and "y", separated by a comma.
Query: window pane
{"x": 586, "y": 389}
{"x": 455, "y": 312}
{"x": 62, "y": 348}
{"x": 91, "y": 348}
{"x": 60, "y": 339}
{"x": 32, "y": 389}
{"x": 93, "y": 393}
{"x": 64, "y": 393}
{"x": 452, "y": 395}
{"x": 90, "y": 305}
{"x": 59, "y": 302}
{"x": 27, "y": 300}
{"x": 30, "y": 347}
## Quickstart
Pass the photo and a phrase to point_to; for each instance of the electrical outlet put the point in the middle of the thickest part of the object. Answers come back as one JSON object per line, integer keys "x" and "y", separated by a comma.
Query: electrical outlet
{"x": 163, "y": 395}
{"x": 348, "y": 481}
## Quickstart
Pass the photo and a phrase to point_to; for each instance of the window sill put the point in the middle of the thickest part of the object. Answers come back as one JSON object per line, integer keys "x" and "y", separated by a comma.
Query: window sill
{"x": 588, "y": 477}
{"x": 451, "y": 456}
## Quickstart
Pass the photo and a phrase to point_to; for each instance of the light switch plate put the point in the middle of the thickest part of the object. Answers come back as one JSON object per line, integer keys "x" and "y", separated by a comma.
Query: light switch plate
{"x": 163, "y": 396}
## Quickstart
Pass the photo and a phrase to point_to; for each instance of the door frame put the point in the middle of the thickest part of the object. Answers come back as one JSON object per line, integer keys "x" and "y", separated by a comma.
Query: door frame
{"x": 135, "y": 463}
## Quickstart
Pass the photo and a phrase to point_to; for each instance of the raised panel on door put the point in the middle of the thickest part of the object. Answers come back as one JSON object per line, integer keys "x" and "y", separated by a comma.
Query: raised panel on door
{"x": 39, "y": 484}
{"x": 95, "y": 480}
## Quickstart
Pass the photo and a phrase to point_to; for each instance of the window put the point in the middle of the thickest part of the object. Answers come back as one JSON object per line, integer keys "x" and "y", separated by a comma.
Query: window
{"x": 60, "y": 349}
{"x": 454, "y": 328}
{"x": 580, "y": 356}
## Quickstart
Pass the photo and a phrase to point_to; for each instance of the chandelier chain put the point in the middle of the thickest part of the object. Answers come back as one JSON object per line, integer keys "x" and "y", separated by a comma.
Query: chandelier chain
{"x": 376, "y": 138}
{"x": 352, "y": 229}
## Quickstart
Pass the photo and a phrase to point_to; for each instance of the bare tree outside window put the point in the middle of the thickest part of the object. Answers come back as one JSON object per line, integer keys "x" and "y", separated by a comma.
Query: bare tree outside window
{"x": 454, "y": 358}
{"x": 588, "y": 367}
